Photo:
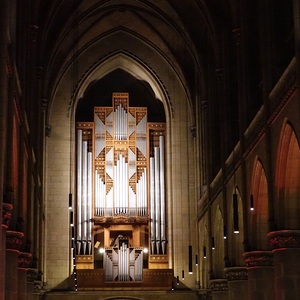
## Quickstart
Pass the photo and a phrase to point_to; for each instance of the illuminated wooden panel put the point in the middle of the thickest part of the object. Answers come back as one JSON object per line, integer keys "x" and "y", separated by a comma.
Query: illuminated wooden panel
{"x": 84, "y": 262}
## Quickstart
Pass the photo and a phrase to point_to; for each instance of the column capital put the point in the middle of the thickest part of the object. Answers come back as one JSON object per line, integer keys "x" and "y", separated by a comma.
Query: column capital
{"x": 6, "y": 214}
{"x": 258, "y": 259}
{"x": 218, "y": 285}
{"x": 14, "y": 240}
{"x": 236, "y": 273}
{"x": 24, "y": 260}
{"x": 284, "y": 239}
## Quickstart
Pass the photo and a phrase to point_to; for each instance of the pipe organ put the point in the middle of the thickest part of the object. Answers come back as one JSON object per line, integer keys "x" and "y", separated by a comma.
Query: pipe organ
{"x": 120, "y": 190}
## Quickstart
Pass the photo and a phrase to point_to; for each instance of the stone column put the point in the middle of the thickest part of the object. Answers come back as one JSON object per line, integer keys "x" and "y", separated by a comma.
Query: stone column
{"x": 237, "y": 283}
{"x": 24, "y": 260}
{"x": 32, "y": 276}
{"x": 285, "y": 245}
{"x": 13, "y": 244}
{"x": 260, "y": 274}
{"x": 4, "y": 14}
{"x": 219, "y": 289}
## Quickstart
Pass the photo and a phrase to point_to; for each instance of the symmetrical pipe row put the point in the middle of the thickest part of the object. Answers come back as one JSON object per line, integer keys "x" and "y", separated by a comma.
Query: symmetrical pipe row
{"x": 84, "y": 196}
{"x": 123, "y": 263}
{"x": 157, "y": 200}
{"x": 120, "y": 123}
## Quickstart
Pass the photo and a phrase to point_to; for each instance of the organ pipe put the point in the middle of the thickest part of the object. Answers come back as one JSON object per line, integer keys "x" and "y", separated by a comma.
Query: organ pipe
{"x": 157, "y": 199}
{"x": 162, "y": 192}
{"x": 152, "y": 206}
{"x": 89, "y": 202}
{"x": 84, "y": 196}
{"x": 79, "y": 176}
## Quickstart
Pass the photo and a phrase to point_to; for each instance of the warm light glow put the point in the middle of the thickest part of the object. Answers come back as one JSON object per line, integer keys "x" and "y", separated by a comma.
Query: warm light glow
{"x": 145, "y": 250}
{"x": 101, "y": 250}
{"x": 236, "y": 231}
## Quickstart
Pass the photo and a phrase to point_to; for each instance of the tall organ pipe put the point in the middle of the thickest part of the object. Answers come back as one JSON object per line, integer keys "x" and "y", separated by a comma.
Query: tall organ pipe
{"x": 116, "y": 200}
{"x": 122, "y": 183}
{"x": 97, "y": 194}
{"x": 152, "y": 206}
{"x": 162, "y": 193}
{"x": 157, "y": 199}
{"x": 126, "y": 187}
{"x": 89, "y": 202}
{"x": 79, "y": 193}
{"x": 84, "y": 195}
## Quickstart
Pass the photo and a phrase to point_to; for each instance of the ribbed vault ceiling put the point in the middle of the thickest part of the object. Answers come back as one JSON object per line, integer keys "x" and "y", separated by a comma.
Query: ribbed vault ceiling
{"x": 185, "y": 33}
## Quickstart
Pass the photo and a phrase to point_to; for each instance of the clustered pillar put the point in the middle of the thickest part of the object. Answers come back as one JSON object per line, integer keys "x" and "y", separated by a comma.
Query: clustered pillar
{"x": 237, "y": 283}
{"x": 285, "y": 246}
{"x": 15, "y": 263}
{"x": 260, "y": 274}
{"x": 13, "y": 244}
{"x": 219, "y": 289}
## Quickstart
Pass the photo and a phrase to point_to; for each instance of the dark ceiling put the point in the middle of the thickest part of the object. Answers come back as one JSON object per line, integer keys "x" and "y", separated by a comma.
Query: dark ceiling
{"x": 100, "y": 94}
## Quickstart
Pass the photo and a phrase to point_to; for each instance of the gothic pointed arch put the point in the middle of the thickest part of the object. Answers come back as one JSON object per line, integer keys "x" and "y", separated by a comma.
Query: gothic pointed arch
{"x": 258, "y": 207}
{"x": 288, "y": 178}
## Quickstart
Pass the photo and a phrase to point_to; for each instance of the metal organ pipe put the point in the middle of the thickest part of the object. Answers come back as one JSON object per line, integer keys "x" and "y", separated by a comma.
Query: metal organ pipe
{"x": 162, "y": 193}
{"x": 102, "y": 196}
{"x": 79, "y": 192}
{"x": 84, "y": 196}
{"x": 89, "y": 203}
{"x": 157, "y": 198}
{"x": 152, "y": 206}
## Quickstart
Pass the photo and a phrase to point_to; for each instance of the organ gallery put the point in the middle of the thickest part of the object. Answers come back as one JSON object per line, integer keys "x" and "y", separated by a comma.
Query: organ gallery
{"x": 120, "y": 206}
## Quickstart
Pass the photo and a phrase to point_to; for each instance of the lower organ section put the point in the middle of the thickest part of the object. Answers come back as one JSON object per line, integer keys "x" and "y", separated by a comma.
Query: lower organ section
{"x": 120, "y": 214}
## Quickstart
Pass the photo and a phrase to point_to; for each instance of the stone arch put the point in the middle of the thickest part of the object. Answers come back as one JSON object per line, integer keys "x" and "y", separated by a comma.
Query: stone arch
{"x": 259, "y": 216}
{"x": 131, "y": 65}
{"x": 60, "y": 157}
{"x": 288, "y": 179}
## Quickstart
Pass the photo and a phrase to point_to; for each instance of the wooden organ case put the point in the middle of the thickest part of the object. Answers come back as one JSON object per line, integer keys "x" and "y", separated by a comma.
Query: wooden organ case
{"x": 121, "y": 213}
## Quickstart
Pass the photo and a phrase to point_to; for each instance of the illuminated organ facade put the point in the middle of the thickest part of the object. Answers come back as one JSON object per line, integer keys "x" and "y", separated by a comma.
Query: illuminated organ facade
{"x": 120, "y": 192}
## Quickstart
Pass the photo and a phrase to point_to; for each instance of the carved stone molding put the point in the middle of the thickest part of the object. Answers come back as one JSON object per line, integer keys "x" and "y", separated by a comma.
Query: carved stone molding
{"x": 218, "y": 285}
{"x": 284, "y": 239}
{"x": 14, "y": 240}
{"x": 258, "y": 259}
{"x": 24, "y": 260}
{"x": 38, "y": 287}
{"x": 236, "y": 273}
{"x": 32, "y": 274}
{"x": 6, "y": 214}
